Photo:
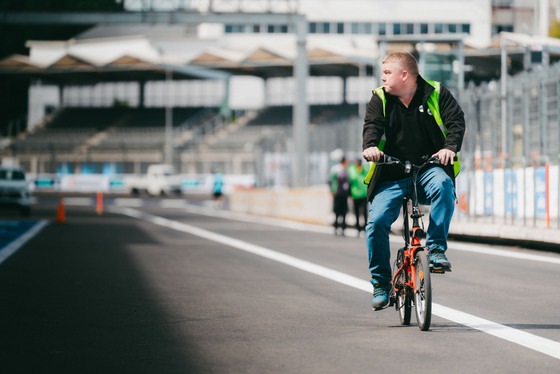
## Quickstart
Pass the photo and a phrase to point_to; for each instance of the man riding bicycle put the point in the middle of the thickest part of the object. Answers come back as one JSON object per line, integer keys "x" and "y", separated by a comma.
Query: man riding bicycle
{"x": 409, "y": 118}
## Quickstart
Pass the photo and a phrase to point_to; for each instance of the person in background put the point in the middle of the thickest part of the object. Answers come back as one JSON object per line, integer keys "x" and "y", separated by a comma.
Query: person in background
{"x": 357, "y": 173}
{"x": 340, "y": 188}
{"x": 217, "y": 187}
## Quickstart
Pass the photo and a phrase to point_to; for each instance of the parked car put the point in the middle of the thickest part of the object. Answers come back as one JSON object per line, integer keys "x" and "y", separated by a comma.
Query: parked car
{"x": 14, "y": 189}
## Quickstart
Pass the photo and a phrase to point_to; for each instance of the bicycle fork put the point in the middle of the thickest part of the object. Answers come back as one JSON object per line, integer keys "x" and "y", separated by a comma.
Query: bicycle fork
{"x": 404, "y": 279}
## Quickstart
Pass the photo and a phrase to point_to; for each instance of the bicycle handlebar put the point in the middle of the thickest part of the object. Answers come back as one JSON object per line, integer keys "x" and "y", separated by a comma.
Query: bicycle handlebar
{"x": 407, "y": 165}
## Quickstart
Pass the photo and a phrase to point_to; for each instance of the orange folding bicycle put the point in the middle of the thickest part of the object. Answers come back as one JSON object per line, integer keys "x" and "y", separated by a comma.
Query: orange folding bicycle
{"x": 411, "y": 273}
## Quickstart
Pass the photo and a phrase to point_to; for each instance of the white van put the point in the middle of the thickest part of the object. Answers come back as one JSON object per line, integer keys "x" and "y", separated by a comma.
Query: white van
{"x": 160, "y": 179}
{"x": 14, "y": 189}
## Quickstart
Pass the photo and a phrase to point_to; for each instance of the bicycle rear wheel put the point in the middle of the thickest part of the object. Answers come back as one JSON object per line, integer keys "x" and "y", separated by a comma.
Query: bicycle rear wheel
{"x": 423, "y": 291}
{"x": 403, "y": 305}
{"x": 403, "y": 302}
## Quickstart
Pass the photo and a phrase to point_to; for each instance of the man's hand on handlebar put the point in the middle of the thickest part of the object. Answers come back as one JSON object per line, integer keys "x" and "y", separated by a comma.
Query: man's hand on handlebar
{"x": 446, "y": 156}
{"x": 372, "y": 154}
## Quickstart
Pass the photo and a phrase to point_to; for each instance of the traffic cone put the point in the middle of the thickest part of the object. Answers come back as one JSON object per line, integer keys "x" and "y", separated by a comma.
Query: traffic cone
{"x": 99, "y": 202}
{"x": 60, "y": 214}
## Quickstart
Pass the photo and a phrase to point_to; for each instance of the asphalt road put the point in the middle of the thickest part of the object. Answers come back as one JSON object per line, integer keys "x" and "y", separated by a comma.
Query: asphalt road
{"x": 149, "y": 289}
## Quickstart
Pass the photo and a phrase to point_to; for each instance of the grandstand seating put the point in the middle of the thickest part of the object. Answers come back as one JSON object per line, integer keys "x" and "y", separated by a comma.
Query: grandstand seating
{"x": 319, "y": 114}
{"x": 283, "y": 115}
{"x": 49, "y": 140}
{"x": 245, "y": 138}
{"x": 102, "y": 118}
{"x": 124, "y": 134}
{"x": 130, "y": 128}
{"x": 272, "y": 127}
{"x": 137, "y": 138}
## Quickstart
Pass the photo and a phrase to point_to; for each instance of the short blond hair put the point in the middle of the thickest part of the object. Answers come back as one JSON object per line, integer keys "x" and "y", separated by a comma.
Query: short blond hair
{"x": 405, "y": 60}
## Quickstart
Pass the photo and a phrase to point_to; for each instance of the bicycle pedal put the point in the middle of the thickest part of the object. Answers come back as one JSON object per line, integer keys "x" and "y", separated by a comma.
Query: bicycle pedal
{"x": 388, "y": 305}
{"x": 438, "y": 270}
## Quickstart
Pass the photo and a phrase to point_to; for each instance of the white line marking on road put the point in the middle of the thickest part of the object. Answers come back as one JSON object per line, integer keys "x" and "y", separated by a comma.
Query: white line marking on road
{"x": 534, "y": 342}
{"x": 14, "y": 246}
{"x": 78, "y": 201}
{"x": 503, "y": 253}
{"x": 453, "y": 245}
{"x": 173, "y": 203}
{"x": 129, "y": 202}
{"x": 260, "y": 219}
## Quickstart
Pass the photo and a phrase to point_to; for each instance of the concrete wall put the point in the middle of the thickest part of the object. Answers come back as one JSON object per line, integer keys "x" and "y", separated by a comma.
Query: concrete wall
{"x": 312, "y": 205}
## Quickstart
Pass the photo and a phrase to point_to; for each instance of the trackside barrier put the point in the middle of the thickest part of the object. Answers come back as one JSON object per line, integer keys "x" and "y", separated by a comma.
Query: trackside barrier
{"x": 313, "y": 205}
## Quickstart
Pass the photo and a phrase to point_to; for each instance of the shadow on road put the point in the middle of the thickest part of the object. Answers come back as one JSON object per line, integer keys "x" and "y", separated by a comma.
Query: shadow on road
{"x": 73, "y": 300}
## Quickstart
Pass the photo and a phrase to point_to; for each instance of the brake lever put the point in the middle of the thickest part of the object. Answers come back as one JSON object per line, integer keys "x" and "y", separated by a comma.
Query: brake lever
{"x": 434, "y": 160}
{"x": 390, "y": 160}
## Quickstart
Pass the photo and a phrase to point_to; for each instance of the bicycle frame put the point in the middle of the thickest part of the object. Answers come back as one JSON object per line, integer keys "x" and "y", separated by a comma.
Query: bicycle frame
{"x": 413, "y": 243}
{"x": 411, "y": 279}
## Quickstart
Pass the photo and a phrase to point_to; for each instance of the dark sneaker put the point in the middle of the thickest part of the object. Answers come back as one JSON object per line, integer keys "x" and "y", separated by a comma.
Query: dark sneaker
{"x": 380, "y": 296}
{"x": 438, "y": 260}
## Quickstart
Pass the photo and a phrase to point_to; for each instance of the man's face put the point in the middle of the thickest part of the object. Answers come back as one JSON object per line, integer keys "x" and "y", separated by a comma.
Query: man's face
{"x": 392, "y": 77}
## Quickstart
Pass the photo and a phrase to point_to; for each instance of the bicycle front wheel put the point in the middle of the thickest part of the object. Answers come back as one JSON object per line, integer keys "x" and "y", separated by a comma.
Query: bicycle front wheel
{"x": 423, "y": 291}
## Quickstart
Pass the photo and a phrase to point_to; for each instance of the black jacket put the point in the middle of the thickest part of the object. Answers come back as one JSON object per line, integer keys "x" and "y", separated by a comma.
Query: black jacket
{"x": 375, "y": 124}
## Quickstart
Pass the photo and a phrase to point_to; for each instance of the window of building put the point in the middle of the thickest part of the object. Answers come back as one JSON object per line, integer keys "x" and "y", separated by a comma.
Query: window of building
{"x": 361, "y": 28}
{"x": 423, "y": 28}
{"x": 409, "y": 27}
{"x": 313, "y": 27}
{"x": 452, "y": 28}
{"x": 502, "y": 3}
{"x": 235, "y": 28}
{"x": 438, "y": 28}
{"x": 321, "y": 27}
{"x": 382, "y": 28}
{"x": 499, "y": 28}
{"x": 466, "y": 28}
{"x": 340, "y": 28}
{"x": 396, "y": 28}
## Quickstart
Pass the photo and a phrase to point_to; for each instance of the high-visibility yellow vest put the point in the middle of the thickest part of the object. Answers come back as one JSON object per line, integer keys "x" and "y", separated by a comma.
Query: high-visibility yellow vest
{"x": 433, "y": 105}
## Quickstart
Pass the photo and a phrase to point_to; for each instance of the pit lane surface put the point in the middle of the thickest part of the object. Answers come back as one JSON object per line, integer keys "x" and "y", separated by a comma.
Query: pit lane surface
{"x": 113, "y": 293}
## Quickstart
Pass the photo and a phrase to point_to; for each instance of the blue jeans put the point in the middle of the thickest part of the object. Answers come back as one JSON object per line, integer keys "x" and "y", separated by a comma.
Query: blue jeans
{"x": 435, "y": 188}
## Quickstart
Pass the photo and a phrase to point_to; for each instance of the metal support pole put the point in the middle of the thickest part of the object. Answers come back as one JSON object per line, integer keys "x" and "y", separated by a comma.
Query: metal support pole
{"x": 168, "y": 122}
{"x": 503, "y": 81}
{"x": 362, "y": 108}
{"x": 543, "y": 17}
{"x": 422, "y": 60}
{"x": 461, "y": 72}
{"x": 301, "y": 109}
{"x": 141, "y": 93}
{"x": 382, "y": 52}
